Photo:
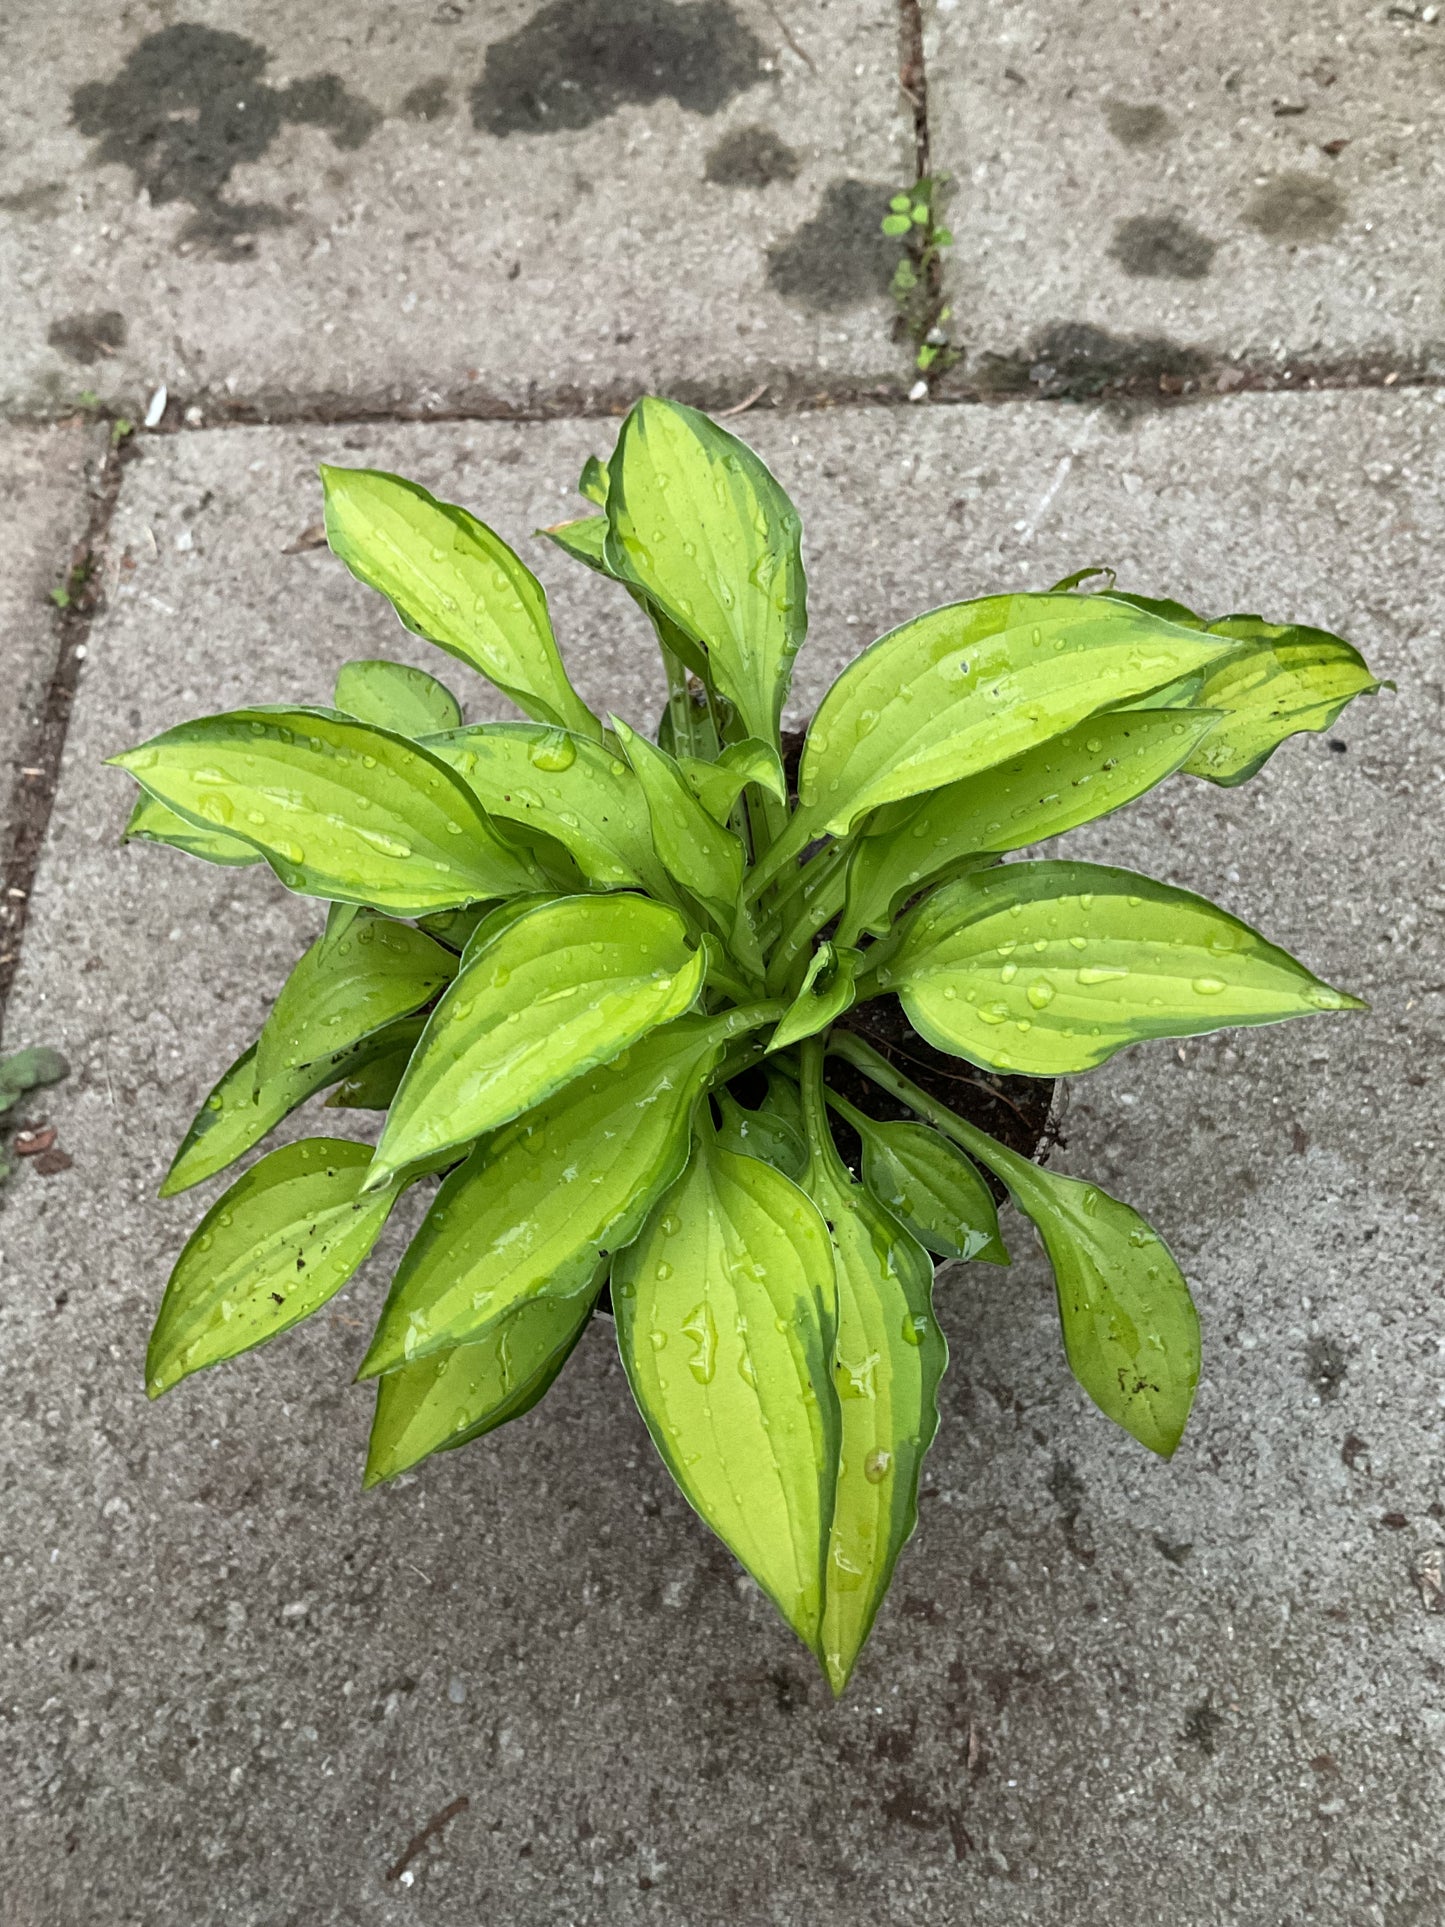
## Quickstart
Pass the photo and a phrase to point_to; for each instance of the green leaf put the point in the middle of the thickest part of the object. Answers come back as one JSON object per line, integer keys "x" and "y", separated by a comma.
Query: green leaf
{"x": 697, "y": 523}
{"x": 346, "y": 987}
{"x": 967, "y": 688}
{"x": 582, "y": 540}
{"x": 772, "y": 1132}
{"x": 450, "y": 1398}
{"x": 565, "y": 988}
{"x": 502, "y": 918}
{"x": 455, "y": 927}
{"x": 339, "y": 809}
{"x": 1131, "y": 1332}
{"x": 1130, "y": 1328}
{"x": 455, "y": 582}
{"x": 593, "y": 482}
{"x": 272, "y": 1250}
{"x": 395, "y": 697}
{"x": 1049, "y": 968}
{"x": 889, "y": 1357}
{"x": 829, "y": 988}
{"x": 929, "y": 1186}
{"x": 1059, "y": 784}
{"x": 725, "y": 1326}
{"x": 30, "y": 1070}
{"x": 239, "y": 1112}
{"x": 152, "y": 822}
{"x": 576, "y": 791}
{"x": 534, "y": 1207}
{"x": 1285, "y": 680}
{"x": 373, "y": 1084}
{"x": 718, "y": 784}
{"x": 704, "y": 857}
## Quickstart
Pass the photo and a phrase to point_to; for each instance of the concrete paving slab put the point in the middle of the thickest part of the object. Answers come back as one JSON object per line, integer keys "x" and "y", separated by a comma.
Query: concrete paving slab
{"x": 1106, "y": 1690}
{"x": 1154, "y": 190}
{"x": 47, "y": 475}
{"x": 456, "y": 206}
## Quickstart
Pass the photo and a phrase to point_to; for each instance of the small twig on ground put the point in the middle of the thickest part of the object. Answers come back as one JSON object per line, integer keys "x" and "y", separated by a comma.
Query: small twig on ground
{"x": 741, "y": 407}
{"x": 786, "y": 31}
{"x": 432, "y": 1827}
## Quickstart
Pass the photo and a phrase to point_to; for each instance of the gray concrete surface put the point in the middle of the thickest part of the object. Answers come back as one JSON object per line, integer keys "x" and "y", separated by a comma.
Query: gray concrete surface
{"x": 1151, "y": 186}
{"x": 445, "y": 205}
{"x": 1106, "y": 1690}
{"x": 47, "y": 475}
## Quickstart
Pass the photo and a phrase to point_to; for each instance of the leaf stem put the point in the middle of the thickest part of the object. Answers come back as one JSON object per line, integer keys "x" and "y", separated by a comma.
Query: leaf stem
{"x": 822, "y": 1151}
{"x": 1007, "y": 1166}
{"x": 796, "y": 939}
{"x": 679, "y": 703}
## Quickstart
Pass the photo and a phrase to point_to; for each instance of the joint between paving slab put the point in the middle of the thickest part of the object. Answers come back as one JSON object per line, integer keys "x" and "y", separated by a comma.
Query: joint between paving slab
{"x": 38, "y": 774}
{"x": 1023, "y": 378}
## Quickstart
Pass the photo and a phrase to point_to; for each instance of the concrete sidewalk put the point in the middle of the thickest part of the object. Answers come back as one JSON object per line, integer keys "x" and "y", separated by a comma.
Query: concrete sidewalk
{"x": 456, "y": 206}
{"x": 1105, "y": 1688}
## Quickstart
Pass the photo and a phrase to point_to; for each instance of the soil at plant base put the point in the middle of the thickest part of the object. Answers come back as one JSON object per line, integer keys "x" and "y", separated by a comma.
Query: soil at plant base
{"x": 1015, "y": 1110}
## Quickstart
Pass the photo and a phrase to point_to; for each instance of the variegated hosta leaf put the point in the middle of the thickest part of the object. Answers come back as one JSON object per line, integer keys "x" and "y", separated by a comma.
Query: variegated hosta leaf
{"x": 695, "y": 849}
{"x": 576, "y": 791}
{"x": 374, "y": 1082}
{"x": 699, "y": 525}
{"x": 152, "y": 821}
{"x": 889, "y": 1356}
{"x": 339, "y": 809}
{"x": 725, "y": 1326}
{"x": 582, "y": 540}
{"x": 454, "y": 927}
{"x": 534, "y": 1207}
{"x": 240, "y": 1111}
{"x": 718, "y": 784}
{"x": 561, "y": 990}
{"x": 773, "y": 1131}
{"x": 1049, "y": 968}
{"x": 347, "y": 986}
{"x": 454, "y": 581}
{"x": 394, "y": 696}
{"x": 285, "y": 1237}
{"x": 967, "y": 688}
{"x": 928, "y": 1185}
{"x": 828, "y": 989}
{"x": 1283, "y": 680}
{"x": 1055, "y": 786}
{"x": 451, "y": 1398}
{"x": 1130, "y": 1328}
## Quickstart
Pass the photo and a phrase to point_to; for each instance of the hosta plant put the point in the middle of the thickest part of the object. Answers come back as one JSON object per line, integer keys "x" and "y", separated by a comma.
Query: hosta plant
{"x": 604, "y": 982}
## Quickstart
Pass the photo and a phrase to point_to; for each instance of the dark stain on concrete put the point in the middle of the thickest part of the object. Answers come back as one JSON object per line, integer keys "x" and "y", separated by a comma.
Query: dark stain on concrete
{"x": 1296, "y": 207}
{"x": 841, "y": 257}
{"x": 1326, "y": 1362}
{"x": 1145, "y": 125}
{"x": 428, "y": 100}
{"x": 189, "y": 106}
{"x": 577, "y": 61}
{"x": 37, "y": 203}
{"x": 1202, "y": 1725}
{"x": 1161, "y": 248}
{"x": 751, "y": 157}
{"x": 1075, "y": 361}
{"x": 88, "y": 338}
